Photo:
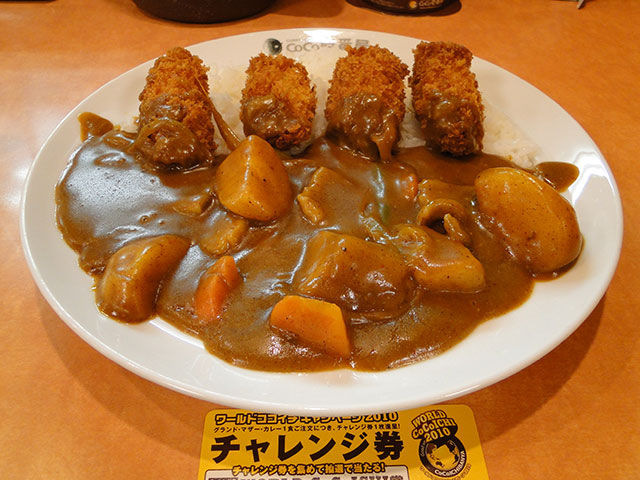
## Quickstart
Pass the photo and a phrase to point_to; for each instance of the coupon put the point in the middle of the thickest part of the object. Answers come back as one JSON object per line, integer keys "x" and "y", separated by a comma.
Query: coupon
{"x": 436, "y": 442}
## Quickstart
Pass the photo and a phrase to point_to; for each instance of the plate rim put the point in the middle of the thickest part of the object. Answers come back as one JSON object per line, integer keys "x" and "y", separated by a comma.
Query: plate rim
{"x": 282, "y": 407}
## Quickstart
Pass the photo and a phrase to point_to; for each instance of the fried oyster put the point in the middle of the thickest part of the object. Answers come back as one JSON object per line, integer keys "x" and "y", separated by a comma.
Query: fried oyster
{"x": 365, "y": 103}
{"x": 446, "y": 98}
{"x": 278, "y": 101}
{"x": 175, "y": 123}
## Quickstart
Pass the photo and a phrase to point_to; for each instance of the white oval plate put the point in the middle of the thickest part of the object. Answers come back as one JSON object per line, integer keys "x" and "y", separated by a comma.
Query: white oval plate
{"x": 496, "y": 349}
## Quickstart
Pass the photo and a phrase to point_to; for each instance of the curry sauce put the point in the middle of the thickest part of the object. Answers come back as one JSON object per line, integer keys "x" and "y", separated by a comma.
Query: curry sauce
{"x": 106, "y": 198}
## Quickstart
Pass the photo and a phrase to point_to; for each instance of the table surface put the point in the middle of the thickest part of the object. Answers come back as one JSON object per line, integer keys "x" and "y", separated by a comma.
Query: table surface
{"x": 67, "y": 412}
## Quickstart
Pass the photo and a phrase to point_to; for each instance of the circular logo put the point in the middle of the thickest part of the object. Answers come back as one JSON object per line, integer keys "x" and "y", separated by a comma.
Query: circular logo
{"x": 445, "y": 458}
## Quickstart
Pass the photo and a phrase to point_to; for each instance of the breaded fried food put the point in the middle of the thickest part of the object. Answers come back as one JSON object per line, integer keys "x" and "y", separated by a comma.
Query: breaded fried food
{"x": 278, "y": 101}
{"x": 175, "y": 122}
{"x": 365, "y": 102}
{"x": 446, "y": 98}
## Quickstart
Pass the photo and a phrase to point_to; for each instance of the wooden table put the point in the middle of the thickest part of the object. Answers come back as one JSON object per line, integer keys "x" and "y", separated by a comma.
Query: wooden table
{"x": 67, "y": 412}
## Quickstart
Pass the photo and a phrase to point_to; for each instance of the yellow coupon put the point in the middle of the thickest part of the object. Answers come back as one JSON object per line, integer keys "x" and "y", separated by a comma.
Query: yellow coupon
{"x": 435, "y": 442}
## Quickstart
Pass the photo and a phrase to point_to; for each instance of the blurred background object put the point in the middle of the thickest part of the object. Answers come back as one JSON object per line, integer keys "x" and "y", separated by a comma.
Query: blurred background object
{"x": 409, "y": 6}
{"x": 202, "y": 11}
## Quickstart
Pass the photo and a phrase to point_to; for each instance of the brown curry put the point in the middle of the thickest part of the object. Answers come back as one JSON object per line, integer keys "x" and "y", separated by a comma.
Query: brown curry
{"x": 107, "y": 198}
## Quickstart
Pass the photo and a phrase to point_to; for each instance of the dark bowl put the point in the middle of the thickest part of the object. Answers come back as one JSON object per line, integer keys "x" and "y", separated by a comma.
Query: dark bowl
{"x": 202, "y": 11}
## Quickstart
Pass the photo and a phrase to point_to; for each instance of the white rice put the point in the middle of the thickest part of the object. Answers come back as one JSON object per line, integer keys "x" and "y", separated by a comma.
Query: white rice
{"x": 502, "y": 137}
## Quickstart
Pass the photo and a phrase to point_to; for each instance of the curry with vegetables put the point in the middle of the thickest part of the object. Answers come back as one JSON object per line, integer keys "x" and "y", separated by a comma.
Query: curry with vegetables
{"x": 310, "y": 261}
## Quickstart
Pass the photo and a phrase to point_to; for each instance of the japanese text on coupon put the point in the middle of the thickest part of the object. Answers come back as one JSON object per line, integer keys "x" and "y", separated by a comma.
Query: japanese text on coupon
{"x": 434, "y": 443}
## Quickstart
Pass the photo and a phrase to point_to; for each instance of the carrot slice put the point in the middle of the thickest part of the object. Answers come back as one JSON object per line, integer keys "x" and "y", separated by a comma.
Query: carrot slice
{"x": 315, "y": 322}
{"x": 214, "y": 287}
{"x": 226, "y": 267}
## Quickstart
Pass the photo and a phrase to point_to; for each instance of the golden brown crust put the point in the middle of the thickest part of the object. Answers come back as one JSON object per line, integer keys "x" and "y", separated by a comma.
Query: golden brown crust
{"x": 446, "y": 97}
{"x": 177, "y": 87}
{"x": 368, "y": 70}
{"x": 287, "y": 82}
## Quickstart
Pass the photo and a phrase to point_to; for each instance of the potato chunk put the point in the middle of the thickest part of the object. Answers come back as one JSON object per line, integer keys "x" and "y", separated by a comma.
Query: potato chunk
{"x": 353, "y": 273}
{"x": 253, "y": 183}
{"x": 438, "y": 263}
{"x": 536, "y": 223}
{"x": 194, "y": 205}
{"x": 225, "y": 236}
{"x": 128, "y": 289}
{"x": 319, "y": 199}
